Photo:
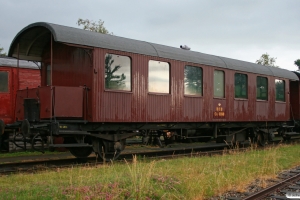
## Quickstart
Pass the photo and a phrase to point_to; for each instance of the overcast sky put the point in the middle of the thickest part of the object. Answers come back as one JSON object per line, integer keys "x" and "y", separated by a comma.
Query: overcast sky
{"x": 239, "y": 29}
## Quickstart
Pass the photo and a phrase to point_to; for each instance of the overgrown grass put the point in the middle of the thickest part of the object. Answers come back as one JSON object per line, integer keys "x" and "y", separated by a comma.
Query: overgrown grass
{"x": 185, "y": 178}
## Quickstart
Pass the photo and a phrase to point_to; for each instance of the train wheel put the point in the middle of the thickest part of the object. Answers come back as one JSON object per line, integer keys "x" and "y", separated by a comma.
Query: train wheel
{"x": 109, "y": 151}
{"x": 78, "y": 152}
{"x": 82, "y": 152}
{"x": 260, "y": 139}
{"x": 2, "y": 126}
{"x": 1, "y": 145}
{"x": 286, "y": 138}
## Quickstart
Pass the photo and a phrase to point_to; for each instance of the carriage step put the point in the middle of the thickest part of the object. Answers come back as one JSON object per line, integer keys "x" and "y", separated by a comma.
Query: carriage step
{"x": 196, "y": 137}
{"x": 286, "y": 126}
{"x": 70, "y": 145}
{"x": 70, "y": 132}
{"x": 292, "y": 133}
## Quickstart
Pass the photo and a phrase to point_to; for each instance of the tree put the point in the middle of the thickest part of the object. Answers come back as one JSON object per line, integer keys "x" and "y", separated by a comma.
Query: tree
{"x": 90, "y": 25}
{"x": 113, "y": 81}
{"x": 193, "y": 80}
{"x": 266, "y": 60}
{"x": 297, "y": 62}
{"x": 2, "y": 54}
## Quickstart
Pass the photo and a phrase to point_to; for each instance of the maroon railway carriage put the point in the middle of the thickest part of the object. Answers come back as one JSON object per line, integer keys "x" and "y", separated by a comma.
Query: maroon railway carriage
{"x": 14, "y": 76}
{"x": 97, "y": 90}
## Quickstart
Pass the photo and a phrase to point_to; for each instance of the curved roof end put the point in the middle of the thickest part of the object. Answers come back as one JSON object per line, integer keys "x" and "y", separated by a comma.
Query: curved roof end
{"x": 29, "y": 43}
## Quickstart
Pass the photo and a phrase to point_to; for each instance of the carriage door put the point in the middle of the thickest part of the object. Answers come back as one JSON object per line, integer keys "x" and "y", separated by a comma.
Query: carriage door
{"x": 6, "y": 102}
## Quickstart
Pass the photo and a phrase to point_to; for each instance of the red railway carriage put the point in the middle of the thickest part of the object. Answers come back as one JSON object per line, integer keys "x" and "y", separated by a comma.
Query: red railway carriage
{"x": 97, "y": 90}
{"x": 13, "y": 77}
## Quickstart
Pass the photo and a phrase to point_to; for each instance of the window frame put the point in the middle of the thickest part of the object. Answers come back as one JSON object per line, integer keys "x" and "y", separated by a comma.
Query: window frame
{"x": 184, "y": 87}
{"x": 130, "y": 71}
{"x": 8, "y": 79}
{"x": 224, "y": 92}
{"x": 169, "y": 78}
{"x": 267, "y": 90}
{"x": 284, "y": 96}
{"x": 235, "y": 85}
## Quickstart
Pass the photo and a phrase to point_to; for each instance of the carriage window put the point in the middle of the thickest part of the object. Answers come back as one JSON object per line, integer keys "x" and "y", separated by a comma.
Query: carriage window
{"x": 280, "y": 90}
{"x": 219, "y": 90}
{"x": 158, "y": 77}
{"x": 240, "y": 86}
{"x": 261, "y": 88}
{"x": 48, "y": 75}
{"x": 117, "y": 72}
{"x": 3, "y": 81}
{"x": 192, "y": 80}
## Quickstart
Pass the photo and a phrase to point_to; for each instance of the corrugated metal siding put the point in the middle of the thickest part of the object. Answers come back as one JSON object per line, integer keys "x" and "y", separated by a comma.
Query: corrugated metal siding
{"x": 115, "y": 107}
{"x": 141, "y": 106}
{"x": 262, "y": 111}
{"x": 193, "y": 109}
{"x": 280, "y": 112}
{"x": 139, "y": 88}
{"x": 160, "y": 108}
{"x": 71, "y": 66}
{"x": 134, "y": 106}
{"x": 109, "y": 106}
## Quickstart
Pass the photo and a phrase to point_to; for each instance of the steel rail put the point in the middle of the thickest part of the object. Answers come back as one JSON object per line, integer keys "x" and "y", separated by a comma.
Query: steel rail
{"x": 163, "y": 153}
{"x": 266, "y": 192}
{"x": 39, "y": 165}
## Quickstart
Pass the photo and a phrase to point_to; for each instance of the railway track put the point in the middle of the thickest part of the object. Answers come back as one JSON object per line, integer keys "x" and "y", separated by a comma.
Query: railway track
{"x": 289, "y": 181}
{"x": 286, "y": 187}
{"x": 289, "y": 186}
{"x": 29, "y": 165}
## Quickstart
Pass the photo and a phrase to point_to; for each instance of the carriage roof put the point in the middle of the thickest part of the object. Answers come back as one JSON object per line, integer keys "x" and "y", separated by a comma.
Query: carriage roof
{"x": 33, "y": 39}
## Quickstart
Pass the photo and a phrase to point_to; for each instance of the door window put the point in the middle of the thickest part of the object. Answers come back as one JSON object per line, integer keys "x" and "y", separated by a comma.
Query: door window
{"x": 4, "y": 82}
